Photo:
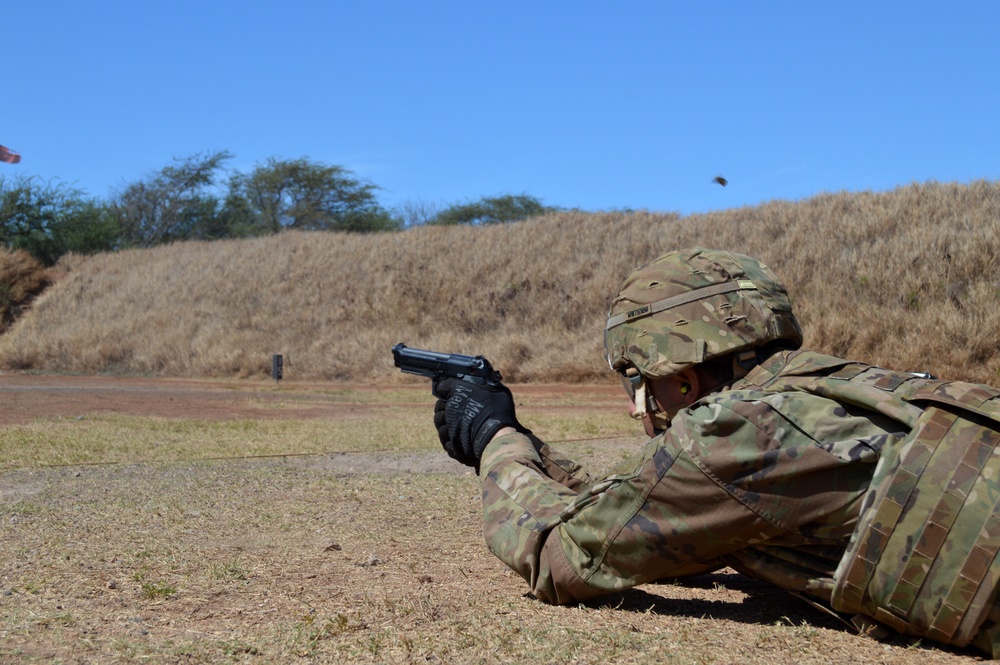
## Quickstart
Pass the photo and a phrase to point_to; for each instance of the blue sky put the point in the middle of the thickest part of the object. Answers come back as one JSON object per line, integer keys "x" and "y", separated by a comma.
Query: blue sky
{"x": 583, "y": 104}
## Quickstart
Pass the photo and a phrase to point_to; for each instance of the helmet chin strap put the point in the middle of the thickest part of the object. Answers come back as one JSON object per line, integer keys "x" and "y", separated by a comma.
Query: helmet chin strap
{"x": 655, "y": 421}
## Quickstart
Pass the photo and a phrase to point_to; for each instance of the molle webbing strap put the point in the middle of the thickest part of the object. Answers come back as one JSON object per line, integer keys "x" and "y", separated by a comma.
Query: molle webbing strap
{"x": 899, "y": 569}
{"x": 682, "y": 299}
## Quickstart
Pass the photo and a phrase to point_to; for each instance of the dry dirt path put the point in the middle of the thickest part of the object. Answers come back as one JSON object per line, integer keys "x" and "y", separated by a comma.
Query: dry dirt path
{"x": 25, "y": 397}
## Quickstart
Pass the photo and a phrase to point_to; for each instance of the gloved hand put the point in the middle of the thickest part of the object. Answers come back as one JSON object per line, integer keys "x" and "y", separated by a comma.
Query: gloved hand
{"x": 468, "y": 415}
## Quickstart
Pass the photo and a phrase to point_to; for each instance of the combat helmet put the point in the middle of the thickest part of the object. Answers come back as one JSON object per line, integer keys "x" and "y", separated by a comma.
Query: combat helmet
{"x": 692, "y": 305}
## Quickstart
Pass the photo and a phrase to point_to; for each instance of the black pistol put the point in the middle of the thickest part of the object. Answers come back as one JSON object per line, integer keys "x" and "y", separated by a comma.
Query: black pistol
{"x": 438, "y": 366}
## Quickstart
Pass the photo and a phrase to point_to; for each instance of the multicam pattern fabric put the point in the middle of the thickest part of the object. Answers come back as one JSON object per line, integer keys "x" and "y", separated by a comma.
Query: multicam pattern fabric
{"x": 926, "y": 560}
{"x": 772, "y": 478}
{"x": 693, "y": 305}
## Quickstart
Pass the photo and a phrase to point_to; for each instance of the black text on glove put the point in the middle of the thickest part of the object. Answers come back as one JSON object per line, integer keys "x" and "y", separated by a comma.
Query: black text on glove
{"x": 468, "y": 415}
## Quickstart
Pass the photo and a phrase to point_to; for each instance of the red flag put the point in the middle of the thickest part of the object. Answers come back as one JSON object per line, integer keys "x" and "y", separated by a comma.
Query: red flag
{"x": 9, "y": 156}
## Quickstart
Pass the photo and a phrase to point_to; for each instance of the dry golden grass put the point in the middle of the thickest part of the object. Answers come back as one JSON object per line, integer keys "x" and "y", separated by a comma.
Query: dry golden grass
{"x": 334, "y": 557}
{"x": 298, "y": 561}
{"x": 22, "y": 278}
{"x": 907, "y": 278}
{"x": 306, "y": 421}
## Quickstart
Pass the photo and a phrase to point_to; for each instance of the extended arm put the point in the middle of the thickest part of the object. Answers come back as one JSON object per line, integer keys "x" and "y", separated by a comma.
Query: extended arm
{"x": 719, "y": 482}
{"x": 729, "y": 474}
{"x": 570, "y": 545}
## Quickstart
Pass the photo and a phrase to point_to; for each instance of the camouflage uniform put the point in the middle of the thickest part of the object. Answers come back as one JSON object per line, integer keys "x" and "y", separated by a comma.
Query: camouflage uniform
{"x": 771, "y": 478}
{"x": 872, "y": 492}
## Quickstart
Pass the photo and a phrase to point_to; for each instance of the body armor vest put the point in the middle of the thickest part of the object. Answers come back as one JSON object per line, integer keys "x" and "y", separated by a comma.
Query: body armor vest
{"x": 923, "y": 558}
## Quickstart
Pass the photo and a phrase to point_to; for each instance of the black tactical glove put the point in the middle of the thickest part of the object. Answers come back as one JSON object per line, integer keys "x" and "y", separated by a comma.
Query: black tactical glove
{"x": 467, "y": 415}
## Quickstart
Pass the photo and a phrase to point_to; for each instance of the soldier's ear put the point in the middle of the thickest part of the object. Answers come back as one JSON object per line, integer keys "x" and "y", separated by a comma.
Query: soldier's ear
{"x": 690, "y": 386}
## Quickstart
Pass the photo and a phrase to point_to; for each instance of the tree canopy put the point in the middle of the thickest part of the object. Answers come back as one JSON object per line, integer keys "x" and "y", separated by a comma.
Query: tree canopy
{"x": 301, "y": 194}
{"x": 49, "y": 219}
{"x": 492, "y": 210}
{"x": 199, "y": 198}
{"x": 177, "y": 203}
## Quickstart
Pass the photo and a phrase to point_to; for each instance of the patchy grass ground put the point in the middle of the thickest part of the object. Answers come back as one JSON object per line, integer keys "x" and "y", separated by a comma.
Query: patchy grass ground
{"x": 127, "y": 537}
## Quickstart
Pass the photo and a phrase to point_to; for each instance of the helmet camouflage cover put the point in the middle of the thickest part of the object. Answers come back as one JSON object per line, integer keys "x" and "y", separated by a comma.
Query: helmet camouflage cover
{"x": 692, "y": 305}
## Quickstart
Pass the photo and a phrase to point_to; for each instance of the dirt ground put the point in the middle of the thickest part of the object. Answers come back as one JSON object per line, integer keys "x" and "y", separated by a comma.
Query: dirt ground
{"x": 342, "y": 557}
{"x": 25, "y": 397}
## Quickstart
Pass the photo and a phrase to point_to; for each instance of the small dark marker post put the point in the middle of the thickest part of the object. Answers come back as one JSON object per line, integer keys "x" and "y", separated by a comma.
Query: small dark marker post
{"x": 276, "y": 367}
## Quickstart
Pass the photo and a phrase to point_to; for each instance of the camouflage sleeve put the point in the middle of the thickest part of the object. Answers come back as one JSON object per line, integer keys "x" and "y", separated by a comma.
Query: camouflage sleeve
{"x": 717, "y": 482}
{"x": 559, "y": 468}
{"x": 660, "y": 520}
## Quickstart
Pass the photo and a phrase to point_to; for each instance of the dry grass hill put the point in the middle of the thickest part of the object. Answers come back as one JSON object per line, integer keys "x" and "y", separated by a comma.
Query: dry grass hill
{"x": 907, "y": 278}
